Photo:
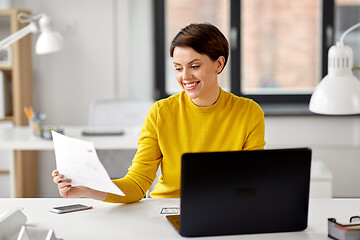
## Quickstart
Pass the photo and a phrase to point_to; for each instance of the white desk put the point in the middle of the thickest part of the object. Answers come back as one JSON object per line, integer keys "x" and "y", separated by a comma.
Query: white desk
{"x": 20, "y": 138}
{"x": 142, "y": 220}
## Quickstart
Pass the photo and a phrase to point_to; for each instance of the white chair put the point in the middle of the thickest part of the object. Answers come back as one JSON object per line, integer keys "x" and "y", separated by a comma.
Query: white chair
{"x": 118, "y": 113}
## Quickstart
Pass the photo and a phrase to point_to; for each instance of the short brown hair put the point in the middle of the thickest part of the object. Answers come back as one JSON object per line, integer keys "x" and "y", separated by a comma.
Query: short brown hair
{"x": 204, "y": 38}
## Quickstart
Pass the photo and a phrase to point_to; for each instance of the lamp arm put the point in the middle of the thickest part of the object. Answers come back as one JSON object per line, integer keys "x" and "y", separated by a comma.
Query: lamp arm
{"x": 31, "y": 28}
{"x": 347, "y": 31}
{"x": 27, "y": 18}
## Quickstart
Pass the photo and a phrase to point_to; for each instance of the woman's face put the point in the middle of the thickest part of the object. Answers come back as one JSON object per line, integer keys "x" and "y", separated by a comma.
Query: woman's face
{"x": 197, "y": 74}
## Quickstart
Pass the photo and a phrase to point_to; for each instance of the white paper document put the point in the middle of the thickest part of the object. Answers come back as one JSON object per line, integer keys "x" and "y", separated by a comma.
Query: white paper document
{"x": 77, "y": 160}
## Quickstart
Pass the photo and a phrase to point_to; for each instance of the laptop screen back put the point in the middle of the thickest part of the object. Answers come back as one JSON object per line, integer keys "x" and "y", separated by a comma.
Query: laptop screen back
{"x": 244, "y": 192}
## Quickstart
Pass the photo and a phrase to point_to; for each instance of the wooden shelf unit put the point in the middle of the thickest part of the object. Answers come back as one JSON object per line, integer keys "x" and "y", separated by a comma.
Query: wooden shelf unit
{"x": 21, "y": 76}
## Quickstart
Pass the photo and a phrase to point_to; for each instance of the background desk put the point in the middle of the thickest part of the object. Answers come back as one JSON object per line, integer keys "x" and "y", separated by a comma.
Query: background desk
{"x": 19, "y": 138}
{"x": 22, "y": 182}
{"x": 142, "y": 220}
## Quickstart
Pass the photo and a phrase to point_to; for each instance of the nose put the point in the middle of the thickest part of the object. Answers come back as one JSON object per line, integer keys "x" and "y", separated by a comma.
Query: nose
{"x": 186, "y": 74}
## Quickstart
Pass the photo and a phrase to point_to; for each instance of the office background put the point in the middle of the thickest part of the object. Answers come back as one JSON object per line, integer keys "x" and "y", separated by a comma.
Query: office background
{"x": 109, "y": 53}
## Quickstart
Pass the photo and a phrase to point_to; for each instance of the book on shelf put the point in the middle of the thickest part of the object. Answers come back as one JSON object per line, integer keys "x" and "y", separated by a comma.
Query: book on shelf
{"x": 6, "y": 57}
{"x": 2, "y": 95}
{"x": 5, "y": 96}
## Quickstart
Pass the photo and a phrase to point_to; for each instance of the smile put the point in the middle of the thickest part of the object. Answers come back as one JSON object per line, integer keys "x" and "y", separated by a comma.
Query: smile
{"x": 190, "y": 85}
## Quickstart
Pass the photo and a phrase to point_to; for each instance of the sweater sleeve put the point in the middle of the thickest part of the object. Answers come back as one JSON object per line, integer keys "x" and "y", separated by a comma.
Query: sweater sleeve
{"x": 256, "y": 131}
{"x": 144, "y": 166}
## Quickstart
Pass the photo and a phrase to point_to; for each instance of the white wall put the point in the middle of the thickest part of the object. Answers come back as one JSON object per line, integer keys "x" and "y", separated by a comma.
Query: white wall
{"x": 109, "y": 53}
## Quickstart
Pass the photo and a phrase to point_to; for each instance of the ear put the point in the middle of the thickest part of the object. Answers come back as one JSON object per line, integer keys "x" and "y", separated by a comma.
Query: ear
{"x": 220, "y": 64}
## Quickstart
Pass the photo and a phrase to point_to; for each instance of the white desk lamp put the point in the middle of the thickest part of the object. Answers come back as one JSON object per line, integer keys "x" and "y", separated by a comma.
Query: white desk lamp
{"x": 338, "y": 93}
{"x": 49, "y": 40}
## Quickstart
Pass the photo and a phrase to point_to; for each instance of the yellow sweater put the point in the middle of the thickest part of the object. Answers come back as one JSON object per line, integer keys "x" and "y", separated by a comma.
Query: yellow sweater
{"x": 174, "y": 126}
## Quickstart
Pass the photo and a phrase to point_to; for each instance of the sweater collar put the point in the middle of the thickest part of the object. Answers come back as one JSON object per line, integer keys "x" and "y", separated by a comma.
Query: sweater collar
{"x": 196, "y": 108}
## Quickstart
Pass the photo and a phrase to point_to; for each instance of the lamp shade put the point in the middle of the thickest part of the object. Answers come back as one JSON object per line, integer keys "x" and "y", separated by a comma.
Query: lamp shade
{"x": 49, "y": 40}
{"x": 339, "y": 91}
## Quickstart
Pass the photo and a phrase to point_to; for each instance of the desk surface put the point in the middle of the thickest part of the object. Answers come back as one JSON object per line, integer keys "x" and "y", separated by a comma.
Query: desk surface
{"x": 20, "y": 138}
{"x": 142, "y": 220}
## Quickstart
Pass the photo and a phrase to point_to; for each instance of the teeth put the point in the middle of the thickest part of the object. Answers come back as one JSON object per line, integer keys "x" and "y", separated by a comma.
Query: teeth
{"x": 190, "y": 85}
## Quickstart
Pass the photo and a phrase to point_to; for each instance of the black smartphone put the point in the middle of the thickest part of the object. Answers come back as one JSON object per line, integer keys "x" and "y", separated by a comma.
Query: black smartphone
{"x": 69, "y": 208}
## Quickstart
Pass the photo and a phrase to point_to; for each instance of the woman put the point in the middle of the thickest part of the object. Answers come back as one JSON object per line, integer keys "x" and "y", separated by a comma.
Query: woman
{"x": 201, "y": 118}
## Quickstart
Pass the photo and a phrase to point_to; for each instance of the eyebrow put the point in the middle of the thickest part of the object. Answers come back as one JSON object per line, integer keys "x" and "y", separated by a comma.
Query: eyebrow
{"x": 188, "y": 62}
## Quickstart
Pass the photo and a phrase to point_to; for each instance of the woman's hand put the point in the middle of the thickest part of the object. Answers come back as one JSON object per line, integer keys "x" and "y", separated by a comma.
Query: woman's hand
{"x": 68, "y": 191}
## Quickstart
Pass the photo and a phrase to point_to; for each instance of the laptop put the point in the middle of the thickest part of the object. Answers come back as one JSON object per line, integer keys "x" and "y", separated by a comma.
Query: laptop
{"x": 244, "y": 192}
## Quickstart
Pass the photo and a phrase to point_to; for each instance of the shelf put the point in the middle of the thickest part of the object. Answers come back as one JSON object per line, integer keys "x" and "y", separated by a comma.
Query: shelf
{"x": 5, "y": 68}
{"x": 7, "y": 118}
{"x": 4, "y": 172}
{"x": 11, "y": 11}
{"x": 19, "y": 73}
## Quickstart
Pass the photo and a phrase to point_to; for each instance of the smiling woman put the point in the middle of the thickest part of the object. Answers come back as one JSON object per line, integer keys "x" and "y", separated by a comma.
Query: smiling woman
{"x": 201, "y": 118}
{"x": 200, "y": 53}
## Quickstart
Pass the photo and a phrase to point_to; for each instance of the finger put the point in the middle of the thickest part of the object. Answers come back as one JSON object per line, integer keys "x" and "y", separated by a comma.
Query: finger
{"x": 64, "y": 191}
{"x": 64, "y": 184}
{"x": 55, "y": 173}
{"x": 58, "y": 179}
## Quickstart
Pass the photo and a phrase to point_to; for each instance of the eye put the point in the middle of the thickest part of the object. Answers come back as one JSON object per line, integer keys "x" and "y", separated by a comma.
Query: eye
{"x": 195, "y": 66}
{"x": 178, "y": 68}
